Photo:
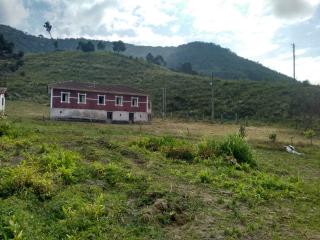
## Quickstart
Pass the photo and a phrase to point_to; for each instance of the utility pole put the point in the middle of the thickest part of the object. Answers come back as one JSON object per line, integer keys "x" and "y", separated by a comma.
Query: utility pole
{"x": 212, "y": 99}
{"x": 164, "y": 102}
{"x": 294, "y": 60}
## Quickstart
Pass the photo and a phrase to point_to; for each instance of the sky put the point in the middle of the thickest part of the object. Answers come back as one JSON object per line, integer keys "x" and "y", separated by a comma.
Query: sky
{"x": 260, "y": 30}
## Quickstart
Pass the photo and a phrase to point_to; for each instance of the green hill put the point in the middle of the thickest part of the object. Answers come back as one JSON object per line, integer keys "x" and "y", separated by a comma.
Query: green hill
{"x": 206, "y": 58}
{"x": 187, "y": 95}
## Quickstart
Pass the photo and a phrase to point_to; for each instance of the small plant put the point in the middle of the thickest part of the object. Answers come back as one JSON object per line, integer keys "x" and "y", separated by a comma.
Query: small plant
{"x": 310, "y": 134}
{"x": 238, "y": 148}
{"x": 242, "y": 131}
{"x": 205, "y": 176}
{"x": 273, "y": 137}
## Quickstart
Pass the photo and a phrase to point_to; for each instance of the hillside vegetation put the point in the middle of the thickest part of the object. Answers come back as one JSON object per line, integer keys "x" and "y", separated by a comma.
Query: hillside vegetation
{"x": 205, "y": 58}
{"x": 168, "y": 180}
{"x": 188, "y": 96}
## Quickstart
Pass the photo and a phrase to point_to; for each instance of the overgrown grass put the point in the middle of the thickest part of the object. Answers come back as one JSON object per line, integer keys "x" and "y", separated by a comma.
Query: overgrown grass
{"x": 62, "y": 180}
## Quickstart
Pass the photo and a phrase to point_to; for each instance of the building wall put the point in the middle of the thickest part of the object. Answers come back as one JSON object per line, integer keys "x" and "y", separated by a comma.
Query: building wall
{"x": 92, "y": 101}
{"x": 2, "y": 103}
{"x": 96, "y": 115}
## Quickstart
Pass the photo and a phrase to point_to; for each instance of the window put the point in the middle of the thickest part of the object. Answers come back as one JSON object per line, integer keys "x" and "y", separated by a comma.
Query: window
{"x": 101, "y": 100}
{"x": 119, "y": 100}
{"x": 65, "y": 97}
{"x": 82, "y": 98}
{"x": 134, "y": 102}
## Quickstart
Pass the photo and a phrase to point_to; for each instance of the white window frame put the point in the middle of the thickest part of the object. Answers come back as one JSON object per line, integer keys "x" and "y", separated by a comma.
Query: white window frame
{"x": 68, "y": 97}
{"x": 121, "y": 104}
{"x": 104, "y": 99}
{"x": 85, "y": 98}
{"x": 137, "y": 102}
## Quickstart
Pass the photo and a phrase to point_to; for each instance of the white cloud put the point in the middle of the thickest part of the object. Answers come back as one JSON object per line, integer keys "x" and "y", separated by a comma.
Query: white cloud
{"x": 12, "y": 12}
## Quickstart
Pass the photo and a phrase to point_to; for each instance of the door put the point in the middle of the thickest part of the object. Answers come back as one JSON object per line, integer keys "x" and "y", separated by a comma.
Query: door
{"x": 131, "y": 117}
{"x": 109, "y": 116}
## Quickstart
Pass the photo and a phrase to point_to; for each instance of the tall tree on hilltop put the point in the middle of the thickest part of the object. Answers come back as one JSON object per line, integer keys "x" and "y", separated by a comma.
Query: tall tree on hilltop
{"x": 118, "y": 46}
{"x": 48, "y": 28}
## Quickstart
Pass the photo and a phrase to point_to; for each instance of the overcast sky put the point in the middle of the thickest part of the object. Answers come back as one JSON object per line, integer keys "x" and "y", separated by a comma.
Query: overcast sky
{"x": 261, "y": 30}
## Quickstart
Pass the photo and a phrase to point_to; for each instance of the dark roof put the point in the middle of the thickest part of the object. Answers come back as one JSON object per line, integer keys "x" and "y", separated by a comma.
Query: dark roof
{"x": 2, "y": 90}
{"x": 96, "y": 87}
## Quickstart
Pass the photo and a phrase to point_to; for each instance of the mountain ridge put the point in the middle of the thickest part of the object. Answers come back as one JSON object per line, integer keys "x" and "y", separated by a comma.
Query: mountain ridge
{"x": 205, "y": 58}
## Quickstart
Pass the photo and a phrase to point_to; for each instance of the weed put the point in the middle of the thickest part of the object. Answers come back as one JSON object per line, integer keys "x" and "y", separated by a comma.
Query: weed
{"x": 238, "y": 148}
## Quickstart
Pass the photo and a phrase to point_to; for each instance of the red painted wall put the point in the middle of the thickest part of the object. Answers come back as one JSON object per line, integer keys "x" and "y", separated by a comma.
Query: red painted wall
{"x": 92, "y": 101}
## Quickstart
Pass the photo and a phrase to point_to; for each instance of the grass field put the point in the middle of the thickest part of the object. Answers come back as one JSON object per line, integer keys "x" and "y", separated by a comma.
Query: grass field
{"x": 164, "y": 180}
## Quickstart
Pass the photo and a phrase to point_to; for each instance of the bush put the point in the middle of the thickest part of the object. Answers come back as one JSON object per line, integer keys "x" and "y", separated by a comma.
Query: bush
{"x": 179, "y": 152}
{"x": 155, "y": 144}
{"x": 273, "y": 137}
{"x": 242, "y": 131}
{"x": 205, "y": 176}
{"x": 25, "y": 178}
{"x": 238, "y": 148}
{"x": 310, "y": 134}
{"x": 207, "y": 149}
{"x": 60, "y": 161}
{"x": 4, "y": 129}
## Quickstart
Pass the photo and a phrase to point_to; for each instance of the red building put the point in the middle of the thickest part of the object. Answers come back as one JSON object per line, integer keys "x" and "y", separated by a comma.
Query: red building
{"x": 97, "y": 102}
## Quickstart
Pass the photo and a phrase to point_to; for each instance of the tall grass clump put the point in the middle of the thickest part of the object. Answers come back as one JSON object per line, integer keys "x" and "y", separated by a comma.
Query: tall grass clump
{"x": 171, "y": 147}
{"x": 208, "y": 149}
{"x": 60, "y": 161}
{"x": 235, "y": 146}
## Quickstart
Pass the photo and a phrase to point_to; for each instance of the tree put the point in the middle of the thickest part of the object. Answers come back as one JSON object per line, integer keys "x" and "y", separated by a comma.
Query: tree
{"x": 48, "y": 28}
{"x": 101, "y": 45}
{"x": 155, "y": 60}
{"x": 159, "y": 61}
{"x": 150, "y": 58}
{"x": 187, "y": 68}
{"x": 86, "y": 46}
{"x": 118, "y": 46}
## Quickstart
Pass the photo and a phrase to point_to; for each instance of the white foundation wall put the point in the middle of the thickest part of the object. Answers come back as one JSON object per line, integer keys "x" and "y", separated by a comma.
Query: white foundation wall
{"x": 141, "y": 117}
{"x": 2, "y": 103}
{"x": 120, "y": 116}
{"x": 67, "y": 113}
{"x": 100, "y": 115}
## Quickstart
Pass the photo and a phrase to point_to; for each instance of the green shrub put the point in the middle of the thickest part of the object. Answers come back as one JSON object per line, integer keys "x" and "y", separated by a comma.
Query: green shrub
{"x": 238, "y": 148}
{"x": 25, "y": 178}
{"x": 207, "y": 149}
{"x": 273, "y": 137}
{"x": 242, "y": 131}
{"x": 155, "y": 144}
{"x": 4, "y": 129}
{"x": 310, "y": 134}
{"x": 63, "y": 162}
{"x": 205, "y": 176}
{"x": 179, "y": 152}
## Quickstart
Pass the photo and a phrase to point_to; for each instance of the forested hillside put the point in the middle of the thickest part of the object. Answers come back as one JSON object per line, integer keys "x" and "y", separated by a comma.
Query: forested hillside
{"x": 187, "y": 95}
{"x": 204, "y": 58}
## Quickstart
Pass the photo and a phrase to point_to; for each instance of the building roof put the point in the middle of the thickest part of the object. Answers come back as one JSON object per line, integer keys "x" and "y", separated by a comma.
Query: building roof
{"x": 2, "y": 90}
{"x": 96, "y": 87}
